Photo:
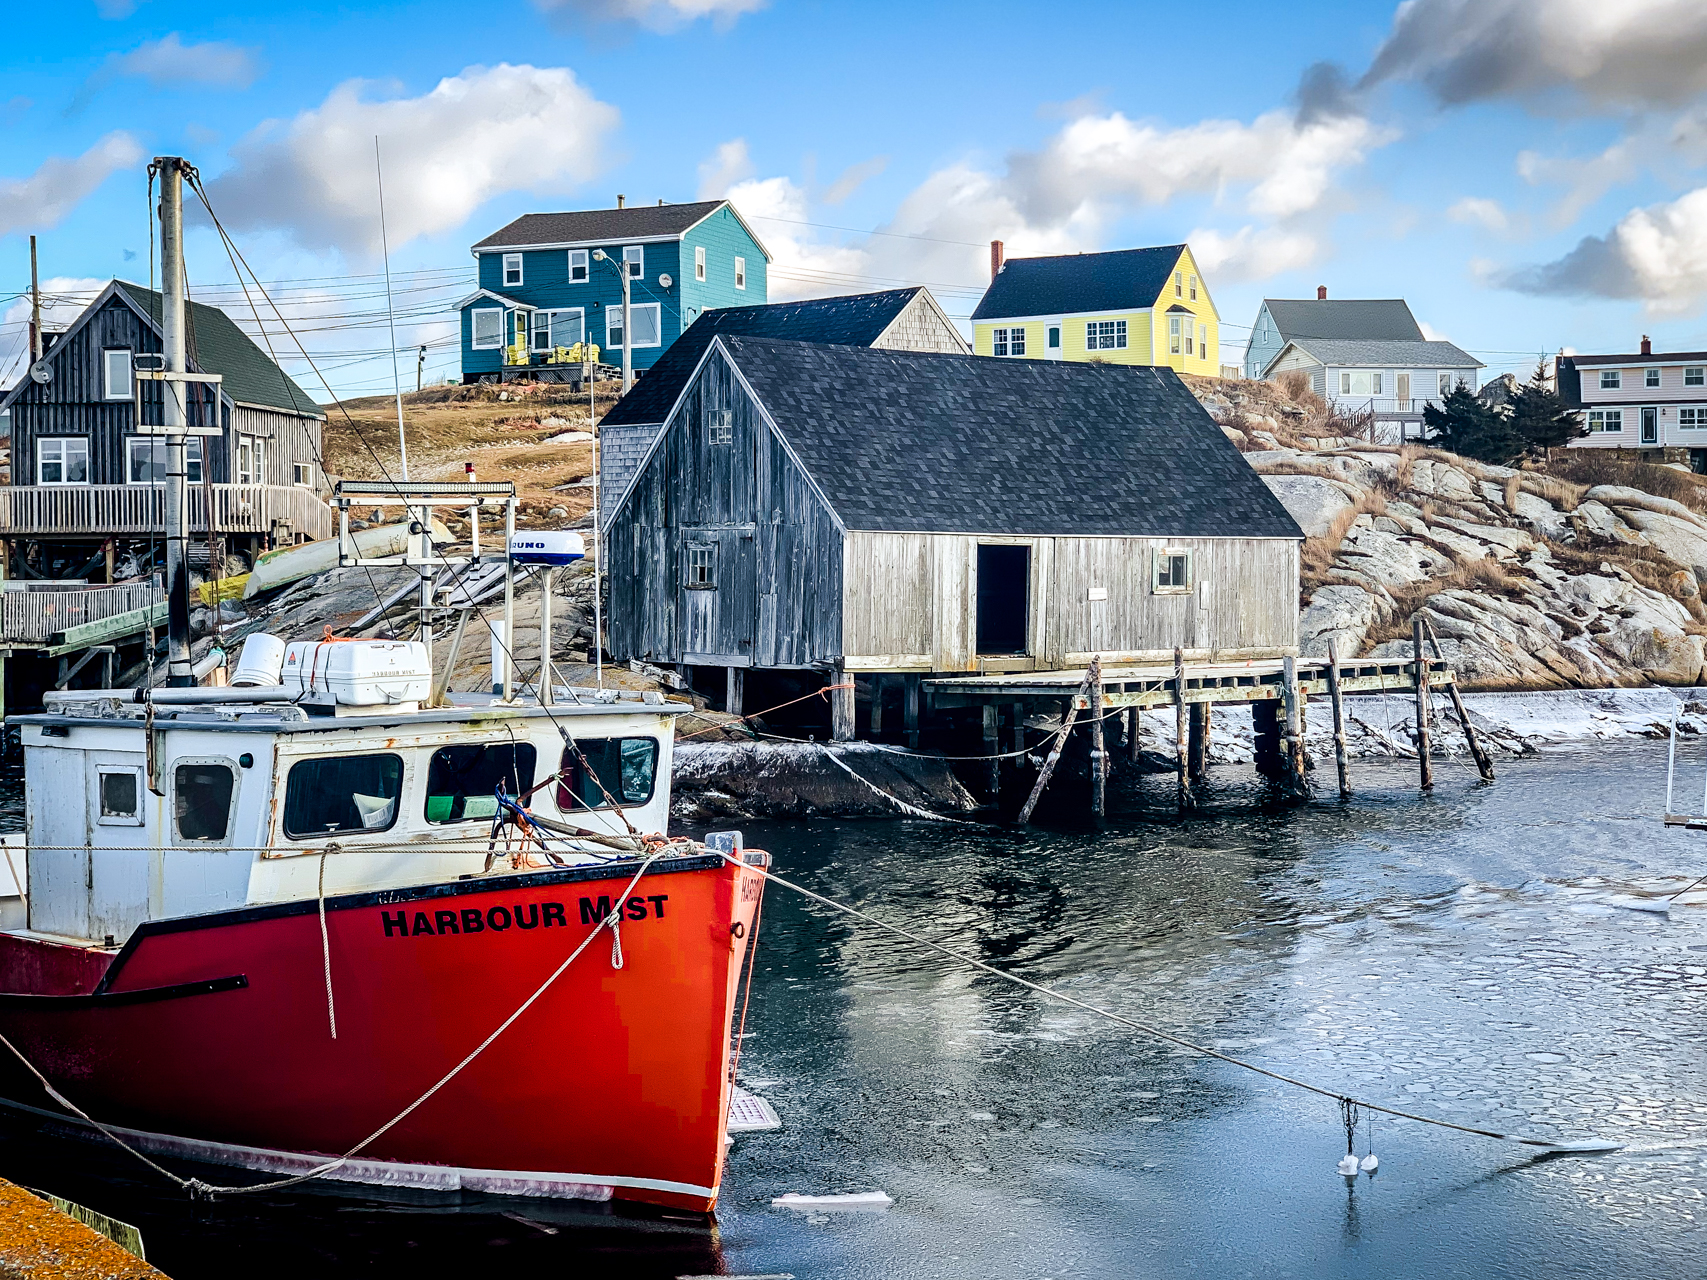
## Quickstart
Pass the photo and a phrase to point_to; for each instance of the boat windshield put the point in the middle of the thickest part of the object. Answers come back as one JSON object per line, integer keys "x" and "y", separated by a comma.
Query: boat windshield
{"x": 462, "y": 781}
{"x": 619, "y": 770}
{"x": 342, "y": 793}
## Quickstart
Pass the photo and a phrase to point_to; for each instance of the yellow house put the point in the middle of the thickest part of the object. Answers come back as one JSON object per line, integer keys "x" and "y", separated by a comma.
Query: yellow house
{"x": 1129, "y": 306}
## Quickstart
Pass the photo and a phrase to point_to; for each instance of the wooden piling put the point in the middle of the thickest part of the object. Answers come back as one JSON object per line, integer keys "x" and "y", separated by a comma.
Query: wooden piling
{"x": 1048, "y": 770}
{"x": 1426, "y": 764}
{"x": 734, "y": 689}
{"x": 841, "y": 706}
{"x": 1292, "y": 739}
{"x": 910, "y": 709}
{"x": 1132, "y": 734}
{"x": 1182, "y": 766}
{"x": 1266, "y": 735}
{"x": 1099, "y": 757}
{"x": 1197, "y": 759}
{"x": 876, "y": 706}
{"x": 992, "y": 750}
{"x": 1484, "y": 765}
{"x": 1338, "y": 701}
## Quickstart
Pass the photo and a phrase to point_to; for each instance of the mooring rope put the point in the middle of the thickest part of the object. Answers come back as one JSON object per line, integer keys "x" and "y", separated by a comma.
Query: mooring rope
{"x": 326, "y": 943}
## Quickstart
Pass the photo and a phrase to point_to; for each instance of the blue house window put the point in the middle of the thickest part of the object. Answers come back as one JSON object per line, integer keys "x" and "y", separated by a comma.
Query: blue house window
{"x": 488, "y": 328}
{"x": 512, "y": 269}
{"x": 740, "y": 273}
{"x": 699, "y": 262}
{"x": 577, "y": 266}
{"x": 634, "y": 258}
{"x": 646, "y": 325}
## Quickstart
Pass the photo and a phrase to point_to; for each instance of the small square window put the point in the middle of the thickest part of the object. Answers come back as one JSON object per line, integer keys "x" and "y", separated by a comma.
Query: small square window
{"x": 62, "y": 460}
{"x": 512, "y": 269}
{"x": 1172, "y": 572}
{"x": 722, "y": 426}
{"x": 740, "y": 273}
{"x": 300, "y": 474}
{"x": 577, "y": 266}
{"x": 699, "y": 262}
{"x": 702, "y": 566}
{"x": 1695, "y": 376}
{"x": 1611, "y": 379}
{"x": 486, "y": 329}
{"x": 634, "y": 258}
{"x": 120, "y": 797}
{"x": 1652, "y": 378}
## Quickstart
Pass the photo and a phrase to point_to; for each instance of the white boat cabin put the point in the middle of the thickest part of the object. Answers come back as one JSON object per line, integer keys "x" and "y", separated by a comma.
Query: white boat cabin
{"x": 215, "y": 807}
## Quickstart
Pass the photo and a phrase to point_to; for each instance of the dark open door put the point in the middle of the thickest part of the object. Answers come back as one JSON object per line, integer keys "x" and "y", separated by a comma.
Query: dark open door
{"x": 1004, "y": 595}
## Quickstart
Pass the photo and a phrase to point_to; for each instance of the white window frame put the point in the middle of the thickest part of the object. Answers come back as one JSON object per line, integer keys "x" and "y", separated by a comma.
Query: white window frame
{"x": 251, "y": 461}
{"x": 722, "y": 426}
{"x": 1611, "y": 379}
{"x": 193, "y": 455}
{"x": 496, "y": 342}
{"x": 1162, "y": 559}
{"x": 1175, "y": 346}
{"x": 512, "y": 260}
{"x": 580, "y": 269}
{"x": 551, "y": 323}
{"x": 105, "y": 819}
{"x": 61, "y": 447}
{"x": 1692, "y": 418}
{"x": 1203, "y": 341}
{"x": 535, "y": 318}
{"x": 1605, "y": 421}
{"x": 1007, "y": 342}
{"x": 1191, "y": 287}
{"x": 740, "y": 273}
{"x": 634, "y": 259}
{"x": 1651, "y": 378}
{"x": 1695, "y": 375}
{"x": 111, "y": 389}
{"x": 1179, "y": 284}
{"x": 1053, "y": 338}
{"x": 613, "y": 317}
{"x": 1376, "y": 382}
{"x": 301, "y": 474}
{"x": 1096, "y": 340}
{"x": 699, "y": 262}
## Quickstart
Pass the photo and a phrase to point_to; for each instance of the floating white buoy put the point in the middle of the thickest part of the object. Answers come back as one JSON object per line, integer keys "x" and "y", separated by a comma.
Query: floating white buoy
{"x": 862, "y": 1202}
{"x": 1348, "y": 1166}
{"x": 1369, "y": 1163}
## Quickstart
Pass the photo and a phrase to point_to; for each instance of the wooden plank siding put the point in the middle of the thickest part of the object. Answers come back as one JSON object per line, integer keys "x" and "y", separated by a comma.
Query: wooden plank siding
{"x": 911, "y": 600}
{"x": 776, "y": 594}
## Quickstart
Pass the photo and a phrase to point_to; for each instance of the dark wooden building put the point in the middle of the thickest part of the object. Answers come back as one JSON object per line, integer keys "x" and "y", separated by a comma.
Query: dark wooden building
{"x": 83, "y": 475}
{"x": 846, "y": 510}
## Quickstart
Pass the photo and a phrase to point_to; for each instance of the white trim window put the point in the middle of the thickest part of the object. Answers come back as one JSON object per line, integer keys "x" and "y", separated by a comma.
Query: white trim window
{"x": 1361, "y": 382}
{"x": 1692, "y": 419}
{"x": 1007, "y": 342}
{"x": 145, "y": 459}
{"x": 1171, "y": 572}
{"x": 1179, "y": 335}
{"x": 648, "y": 328}
{"x": 1203, "y": 341}
{"x": 634, "y": 258}
{"x": 118, "y": 796}
{"x": 251, "y": 460}
{"x": 1605, "y": 421}
{"x": 486, "y": 328}
{"x": 1105, "y": 335}
{"x": 740, "y": 273}
{"x": 722, "y": 426}
{"x": 1179, "y": 284}
{"x": 1192, "y": 288}
{"x": 512, "y": 270}
{"x": 539, "y": 331}
{"x": 62, "y": 460}
{"x": 568, "y": 326}
{"x": 578, "y": 266}
{"x": 1611, "y": 379}
{"x": 1651, "y": 378}
{"x": 116, "y": 377}
{"x": 699, "y": 262}
{"x": 300, "y": 474}
{"x": 1695, "y": 375}
{"x": 1445, "y": 384}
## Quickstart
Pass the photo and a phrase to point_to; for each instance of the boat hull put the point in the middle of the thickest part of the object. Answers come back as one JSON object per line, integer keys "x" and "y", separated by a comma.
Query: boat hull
{"x": 210, "y": 1037}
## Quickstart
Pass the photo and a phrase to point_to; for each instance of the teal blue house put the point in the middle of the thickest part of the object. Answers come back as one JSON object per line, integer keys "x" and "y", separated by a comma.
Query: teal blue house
{"x": 541, "y": 289}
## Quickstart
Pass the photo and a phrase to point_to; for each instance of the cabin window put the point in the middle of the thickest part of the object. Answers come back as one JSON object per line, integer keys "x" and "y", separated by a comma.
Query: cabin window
{"x": 342, "y": 793}
{"x": 598, "y": 773}
{"x": 1611, "y": 379}
{"x": 488, "y": 329}
{"x": 1172, "y": 572}
{"x": 145, "y": 459}
{"x": 1652, "y": 378}
{"x": 740, "y": 273}
{"x": 62, "y": 460}
{"x": 1603, "y": 420}
{"x": 119, "y": 796}
{"x": 702, "y": 567}
{"x": 251, "y": 460}
{"x": 1694, "y": 376}
{"x": 299, "y": 474}
{"x": 463, "y": 782}
{"x": 722, "y": 426}
{"x": 699, "y": 262}
{"x": 115, "y": 366}
{"x": 577, "y": 266}
{"x": 645, "y": 320}
{"x": 1105, "y": 335}
{"x": 201, "y": 800}
{"x": 512, "y": 269}
{"x": 634, "y": 259}
{"x": 568, "y": 327}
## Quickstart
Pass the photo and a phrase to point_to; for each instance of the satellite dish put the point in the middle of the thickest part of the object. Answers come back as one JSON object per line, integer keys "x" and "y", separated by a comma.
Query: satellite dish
{"x": 665, "y": 280}
{"x": 41, "y": 371}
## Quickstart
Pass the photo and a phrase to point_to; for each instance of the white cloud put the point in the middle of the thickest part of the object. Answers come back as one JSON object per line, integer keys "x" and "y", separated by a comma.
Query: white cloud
{"x": 1630, "y": 52}
{"x": 853, "y": 178}
{"x": 1476, "y": 211}
{"x": 62, "y": 301}
{"x": 1657, "y": 255}
{"x": 52, "y": 191}
{"x": 655, "y": 15}
{"x": 168, "y": 61}
{"x": 729, "y": 164}
{"x": 474, "y": 136}
{"x": 1252, "y": 253}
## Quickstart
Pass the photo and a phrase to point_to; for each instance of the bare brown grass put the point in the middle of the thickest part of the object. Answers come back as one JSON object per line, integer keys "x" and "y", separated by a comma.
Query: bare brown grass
{"x": 1581, "y": 467}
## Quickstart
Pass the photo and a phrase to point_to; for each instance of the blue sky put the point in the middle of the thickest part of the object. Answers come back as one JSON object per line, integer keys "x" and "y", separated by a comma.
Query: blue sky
{"x": 1528, "y": 173}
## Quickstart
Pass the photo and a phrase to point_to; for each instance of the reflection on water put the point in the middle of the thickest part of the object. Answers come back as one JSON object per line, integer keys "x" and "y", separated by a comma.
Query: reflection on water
{"x": 1474, "y": 956}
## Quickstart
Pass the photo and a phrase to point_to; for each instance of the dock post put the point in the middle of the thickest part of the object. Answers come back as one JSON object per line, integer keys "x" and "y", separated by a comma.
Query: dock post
{"x": 841, "y": 706}
{"x": 1197, "y": 759}
{"x": 1266, "y": 744}
{"x": 876, "y": 706}
{"x": 1292, "y": 740}
{"x": 735, "y": 688}
{"x": 1054, "y": 758}
{"x": 1182, "y": 734}
{"x": 1099, "y": 757}
{"x": 1484, "y": 765}
{"x": 1338, "y": 699}
{"x": 992, "y": 749}
{"x": 1423, "y": 747}
{"x": 1132, "y": 751}
{"x": 910, "y": 709}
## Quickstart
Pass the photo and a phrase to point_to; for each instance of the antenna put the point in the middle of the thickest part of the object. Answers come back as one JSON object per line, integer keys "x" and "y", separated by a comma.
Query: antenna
{"x": 391, "y": 317}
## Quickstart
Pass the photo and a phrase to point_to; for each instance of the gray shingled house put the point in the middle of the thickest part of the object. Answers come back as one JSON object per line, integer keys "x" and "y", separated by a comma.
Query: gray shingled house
{"x": 850, "y": 511}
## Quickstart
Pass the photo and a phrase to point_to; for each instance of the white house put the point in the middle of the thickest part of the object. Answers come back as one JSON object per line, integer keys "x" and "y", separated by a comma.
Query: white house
{"x": 1653, "y": 403}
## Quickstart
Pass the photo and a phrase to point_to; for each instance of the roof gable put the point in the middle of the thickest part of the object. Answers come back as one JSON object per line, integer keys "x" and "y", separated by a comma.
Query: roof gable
{"x": 1072, "y": 283}
{"x": 901, "y": 441}
{"x": 644, "y": 221}
{"x": 1373, "y": 318}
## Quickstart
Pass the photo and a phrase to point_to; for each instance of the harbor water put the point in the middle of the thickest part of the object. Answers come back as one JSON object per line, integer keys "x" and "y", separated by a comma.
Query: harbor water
{"x": 1481, "y": 955}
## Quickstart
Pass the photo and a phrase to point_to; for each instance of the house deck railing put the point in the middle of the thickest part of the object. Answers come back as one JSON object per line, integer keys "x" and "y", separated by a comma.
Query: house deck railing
{"x": 99, "y": 510}
{"x": 34, "y": 616}
{"x": 1386, "y": 406}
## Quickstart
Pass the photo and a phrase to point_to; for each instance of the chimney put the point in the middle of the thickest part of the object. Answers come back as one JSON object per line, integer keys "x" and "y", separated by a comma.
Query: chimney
{"x": 995, "y": 258}
{"x": 620, "y": 200}
{"x": 1321, "y": 293}
{"x": 1647, "y": 345}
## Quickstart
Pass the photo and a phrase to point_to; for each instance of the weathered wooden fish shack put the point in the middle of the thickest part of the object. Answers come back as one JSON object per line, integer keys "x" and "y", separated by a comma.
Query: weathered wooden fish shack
{"x": 865, "y": 519}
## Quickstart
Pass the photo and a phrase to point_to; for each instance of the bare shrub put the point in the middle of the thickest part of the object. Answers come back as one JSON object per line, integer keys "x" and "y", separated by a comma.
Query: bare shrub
{"x": 1581, "y": 467}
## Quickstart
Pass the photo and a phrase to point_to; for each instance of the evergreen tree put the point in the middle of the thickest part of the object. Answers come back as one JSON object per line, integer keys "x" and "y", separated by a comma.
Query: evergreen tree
{"x": 1468, "y": 427}
{"x": 1540, "y": 417}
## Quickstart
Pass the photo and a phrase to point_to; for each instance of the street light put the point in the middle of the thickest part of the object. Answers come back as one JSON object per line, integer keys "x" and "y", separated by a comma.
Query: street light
{"x": 600, "y": 255}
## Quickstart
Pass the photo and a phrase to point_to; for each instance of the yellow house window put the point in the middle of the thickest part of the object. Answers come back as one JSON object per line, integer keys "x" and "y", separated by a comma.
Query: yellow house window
{"x": 1194, "y": 288}
{"x": 1105, "y": 335}
{"x": 1179, "y": 284}
{"x": 1203, "y": 340}
{"x": 1007, "y": 342}
{"x": 1174, "y": 336}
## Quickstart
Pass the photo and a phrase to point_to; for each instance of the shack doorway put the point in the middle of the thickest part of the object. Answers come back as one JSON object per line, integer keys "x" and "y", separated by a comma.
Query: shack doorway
{"x": 1004, "y": 595}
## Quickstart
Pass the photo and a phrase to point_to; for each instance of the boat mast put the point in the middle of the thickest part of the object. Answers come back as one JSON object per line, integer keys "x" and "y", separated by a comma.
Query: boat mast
{"x": 175, "y": 420}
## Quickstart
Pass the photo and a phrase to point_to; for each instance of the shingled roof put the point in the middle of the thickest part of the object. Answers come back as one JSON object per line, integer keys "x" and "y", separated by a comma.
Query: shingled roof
{"x": 1387, "y": 353}
{"x": 856, "y": 320}
{"x": 1124, "y": 278}
{"x": 1344, "y": 318}
{"x": 904, "y": 441}
{"x": 607, "y": 225}
{"x": 217, "y": 345}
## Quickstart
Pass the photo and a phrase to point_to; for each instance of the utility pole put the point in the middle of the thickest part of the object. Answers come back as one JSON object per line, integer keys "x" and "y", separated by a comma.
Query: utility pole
{"x": 420, "y": 369}
{"x": 35, "y": 306}
{"x": 627, "y": 336}
{"x": 175, "y": 419}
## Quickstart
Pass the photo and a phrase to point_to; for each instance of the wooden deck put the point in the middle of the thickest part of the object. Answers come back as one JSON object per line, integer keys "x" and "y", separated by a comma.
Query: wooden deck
{"x": 50, "y": 616}
{"x": 102, "y": 510}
